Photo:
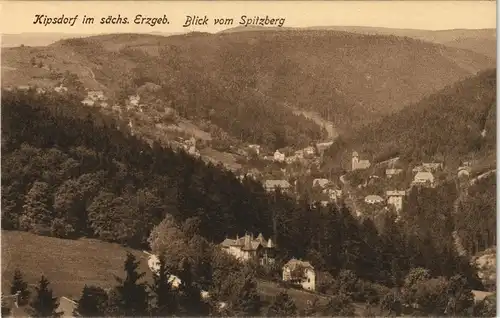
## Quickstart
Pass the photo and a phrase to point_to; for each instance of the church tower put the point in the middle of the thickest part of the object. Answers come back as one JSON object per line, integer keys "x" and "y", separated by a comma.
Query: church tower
{"x": 355, "y": 160}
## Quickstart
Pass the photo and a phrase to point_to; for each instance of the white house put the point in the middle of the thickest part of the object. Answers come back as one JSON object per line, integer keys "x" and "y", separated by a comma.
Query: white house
{"x": 424, "y": 178}
{"x": 358, "y": 164}
{"x": 309, "y": 151}
{"x": 256, "y": 148}
{"x": 278, "y": 156}
{"x": 300, "y": 272}
{"x": 61, "y": 89}
{"x": 395, "y": 198}
{"x": 134, "y": 100}
{"x": 373, "y": 199}
{"x": 247, "y": 247}
{"x": 88, "y": 102}
{"x": 320, "y": 182}
{"x": 272, "y": 185}
{"x": 322, "y": 146}
{"x": 154, "y": 266}
{"x": 96, "y": 95}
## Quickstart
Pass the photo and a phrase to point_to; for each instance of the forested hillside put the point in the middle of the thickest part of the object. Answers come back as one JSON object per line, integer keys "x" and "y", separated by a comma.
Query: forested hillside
{"x": 67, "y": 172}
{"x": 247, "y": 83}
{"x": 457, "y": 124}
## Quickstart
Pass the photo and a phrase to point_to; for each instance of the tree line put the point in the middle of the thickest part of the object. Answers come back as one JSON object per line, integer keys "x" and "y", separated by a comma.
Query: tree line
{"x": 69, "y": 171}
{"x": 131, "y": 296}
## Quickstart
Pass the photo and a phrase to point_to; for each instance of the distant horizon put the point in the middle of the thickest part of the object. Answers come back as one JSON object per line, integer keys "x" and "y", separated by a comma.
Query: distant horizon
{"x": 260, "y": 27}
{"x": 17, "y": 17}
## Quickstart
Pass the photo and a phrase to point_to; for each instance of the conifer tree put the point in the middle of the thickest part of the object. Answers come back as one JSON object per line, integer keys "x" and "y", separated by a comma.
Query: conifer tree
{"x": 245, "y": 298}
{"x": 190, "y": 300}
{"x": 162, "y": 292}
{"x": 19, "y": 285}
{"x": 130, "y": 296}
{"x": 44, "y": 304}
{"x": 282, "y": 306}
{"x": 6, "y": 310}
{"x": 92, "y": 303}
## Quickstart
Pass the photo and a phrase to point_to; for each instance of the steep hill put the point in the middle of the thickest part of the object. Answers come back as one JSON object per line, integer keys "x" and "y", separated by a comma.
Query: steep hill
{"x": 481, "y": 41}
{"x": 245, "y": 82}
{"x": 458, "y": 123}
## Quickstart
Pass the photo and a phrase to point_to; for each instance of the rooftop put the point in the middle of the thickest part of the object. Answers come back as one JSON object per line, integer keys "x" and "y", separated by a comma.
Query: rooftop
{"x": 277, "y": 183}
{"x": 294, "y": 263}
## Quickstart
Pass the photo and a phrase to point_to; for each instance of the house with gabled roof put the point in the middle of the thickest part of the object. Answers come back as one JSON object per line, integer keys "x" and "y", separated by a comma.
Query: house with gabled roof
{"x": 321, "y": 182}
{"x": 358, "y": 164}
{"x": 300, "y": 272}
{"x": 247, "y": 248}
{"x": 395, "y": 198}
{"x": 272, "y": 185}
{"x": 373, "y": 199}
{"x": 423, "y": 178}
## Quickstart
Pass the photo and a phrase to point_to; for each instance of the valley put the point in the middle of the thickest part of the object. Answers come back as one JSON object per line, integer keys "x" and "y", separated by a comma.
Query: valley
{"x": 366, "y": 157}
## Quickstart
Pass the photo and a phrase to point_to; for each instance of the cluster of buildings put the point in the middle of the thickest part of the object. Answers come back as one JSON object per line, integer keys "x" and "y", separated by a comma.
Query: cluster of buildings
{"x": 189, "y": 145}
{"x": 359, "y": 164}
{"x": 300, "y": 155}
{"x": 95, "y": 98}
{"x": 392, "y": 197}
{"x": 66, "y": 306}
{"x": 248, "y": 247}
{"x": 61, "y": 89}
{"x": 423, "y": 176}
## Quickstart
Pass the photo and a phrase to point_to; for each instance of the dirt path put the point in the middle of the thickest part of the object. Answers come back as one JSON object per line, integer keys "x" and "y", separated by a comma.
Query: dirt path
{"x": 328, "y": 126}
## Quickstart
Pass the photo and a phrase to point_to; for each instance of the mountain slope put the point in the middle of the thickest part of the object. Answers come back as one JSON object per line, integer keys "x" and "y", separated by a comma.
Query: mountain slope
{"x": 248, "y": 78}
{"x": 481, "y": 41}
{"x": 458, "y": 123}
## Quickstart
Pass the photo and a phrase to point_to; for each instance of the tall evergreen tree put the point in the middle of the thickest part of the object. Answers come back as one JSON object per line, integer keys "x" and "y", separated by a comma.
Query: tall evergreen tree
{"x": 6, "y": 310}
{"x": 282, "y": 306}
{"x": 44, "y": 304}
{"x": 162, "y": 292}
{"x": 245, "y": 300}
{"x": 130, "y": 296}
{"x": 92, "y": 303}
{"x": 18, "y": 285}
{"x": 190, "y": 300}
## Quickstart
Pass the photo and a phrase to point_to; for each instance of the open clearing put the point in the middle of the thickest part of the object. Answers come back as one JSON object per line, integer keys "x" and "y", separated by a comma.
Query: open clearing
{"x": 70, "y": 264}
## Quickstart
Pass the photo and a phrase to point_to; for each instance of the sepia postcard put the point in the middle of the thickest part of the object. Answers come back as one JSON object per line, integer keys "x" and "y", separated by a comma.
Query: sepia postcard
{"x": 248, "y": 158}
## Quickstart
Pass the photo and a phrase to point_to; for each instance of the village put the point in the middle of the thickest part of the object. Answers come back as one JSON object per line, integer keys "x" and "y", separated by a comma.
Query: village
{"x": 364, "y": 186}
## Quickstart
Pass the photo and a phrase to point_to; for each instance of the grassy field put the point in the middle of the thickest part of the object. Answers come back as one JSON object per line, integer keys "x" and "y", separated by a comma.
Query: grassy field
{"x": 70, "y": 264}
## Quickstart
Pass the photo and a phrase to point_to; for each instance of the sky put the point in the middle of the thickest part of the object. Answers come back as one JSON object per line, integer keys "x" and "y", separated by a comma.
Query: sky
{"x": 18, "y": 16}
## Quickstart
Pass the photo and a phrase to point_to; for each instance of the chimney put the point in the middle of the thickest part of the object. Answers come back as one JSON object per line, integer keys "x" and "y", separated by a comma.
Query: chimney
{"x": 247, "y": 241}
{"x": 269, "y": 243}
